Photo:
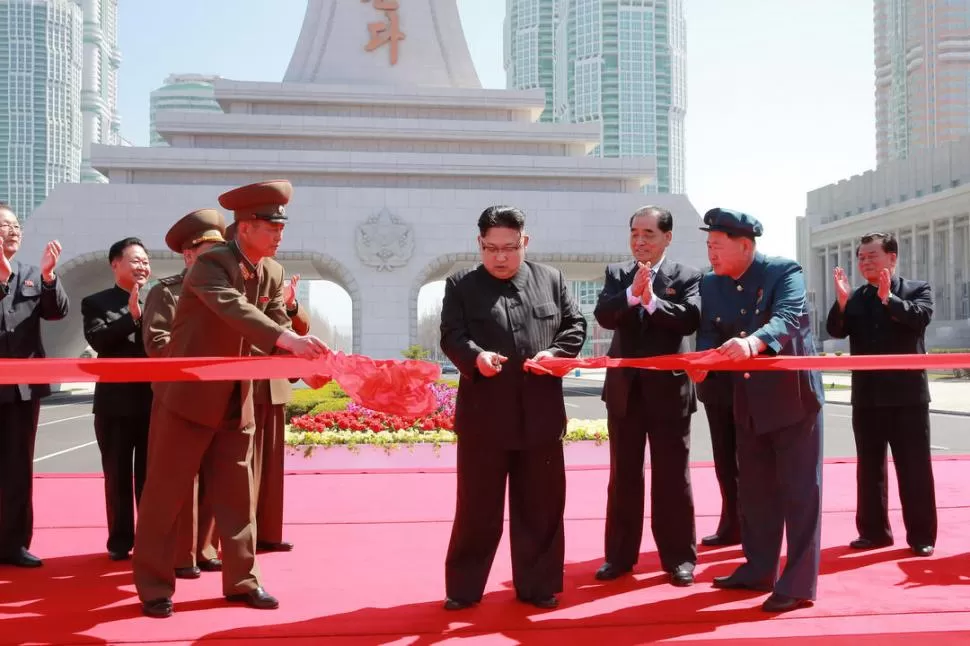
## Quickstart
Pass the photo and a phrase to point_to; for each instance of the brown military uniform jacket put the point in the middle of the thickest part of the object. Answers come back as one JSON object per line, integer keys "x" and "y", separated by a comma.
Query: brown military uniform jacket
{"x": 158, "y": 314}
{"x": 227, "y": 308}
{"x": 277, "y": 391}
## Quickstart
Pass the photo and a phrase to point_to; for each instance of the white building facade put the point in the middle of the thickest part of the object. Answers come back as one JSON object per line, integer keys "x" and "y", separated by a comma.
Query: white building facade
{"x": 183, "y": 92}
{"x": 924, "y": 200}
{"x": 393, "y": 148}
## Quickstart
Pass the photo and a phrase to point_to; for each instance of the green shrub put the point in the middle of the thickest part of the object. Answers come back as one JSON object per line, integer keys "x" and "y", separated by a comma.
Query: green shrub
{"x": 328, "y": 405}
{"x": 305, "y": 400}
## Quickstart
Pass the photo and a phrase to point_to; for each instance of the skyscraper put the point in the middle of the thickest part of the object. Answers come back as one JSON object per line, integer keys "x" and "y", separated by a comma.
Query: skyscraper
{"x": 182, "y": 92}
{"x": 619, "y": 62}
{"x": 99, "y": 92}
{"x": 58, "y": 93}
{"x": 922, "y": 70}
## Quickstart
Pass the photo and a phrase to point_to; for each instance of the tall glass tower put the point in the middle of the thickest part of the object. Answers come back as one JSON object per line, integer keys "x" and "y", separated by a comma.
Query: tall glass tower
{"x": 59, "y": 64}
{"x": 621, "y": 63}
{"x": 922, "y": 70}
{"x": 182, "y": 92}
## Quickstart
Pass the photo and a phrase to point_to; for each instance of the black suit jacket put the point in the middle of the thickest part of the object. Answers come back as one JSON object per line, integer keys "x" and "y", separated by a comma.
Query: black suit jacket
{"x": 899, "y": 327}
{"x": 23, "y": 304}
{"x": 665, "y": 331}
{"x": 113, "y": 333}
{"x": 516, "y": 318}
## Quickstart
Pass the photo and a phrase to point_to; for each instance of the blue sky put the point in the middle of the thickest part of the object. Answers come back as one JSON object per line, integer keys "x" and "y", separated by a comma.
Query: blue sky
{"x": 780, "y": 92}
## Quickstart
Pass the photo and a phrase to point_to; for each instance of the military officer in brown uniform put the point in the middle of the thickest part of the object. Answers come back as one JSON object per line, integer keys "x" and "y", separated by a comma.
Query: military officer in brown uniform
{"x": 270, "y": 397}
{"x": 231, "y": 300}
{"x": 194, "y": 234}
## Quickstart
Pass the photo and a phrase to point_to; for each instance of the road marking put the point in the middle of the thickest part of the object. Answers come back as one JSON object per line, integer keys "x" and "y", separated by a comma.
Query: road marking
{"x": 938, "y": 448}
{"x": 73, "y": 448}
{"x": 65, "y": 419}
{"x": 571, "y": 405}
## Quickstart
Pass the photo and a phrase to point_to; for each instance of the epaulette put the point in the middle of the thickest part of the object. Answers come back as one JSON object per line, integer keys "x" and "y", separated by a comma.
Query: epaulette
{"x": 168, "y": 281}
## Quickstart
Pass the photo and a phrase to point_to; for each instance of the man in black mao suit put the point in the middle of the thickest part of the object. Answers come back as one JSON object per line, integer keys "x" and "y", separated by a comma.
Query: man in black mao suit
{"x": 652, "y": 304}
{"x": 28, "y": 294}
{"x": 510, "y": 423}
{"x": 122, "y": 411}
{"x": 888, "y": 315}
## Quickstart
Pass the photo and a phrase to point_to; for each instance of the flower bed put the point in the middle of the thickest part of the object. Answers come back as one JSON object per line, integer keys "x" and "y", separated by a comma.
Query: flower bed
{"x": 355, "y": 426}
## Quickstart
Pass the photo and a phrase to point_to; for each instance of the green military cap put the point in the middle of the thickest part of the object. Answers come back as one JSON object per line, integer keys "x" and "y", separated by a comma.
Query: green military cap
{"x": 732, "y": 222}
{"x": 261, "y": 201}
{"x": 204, "y": 225}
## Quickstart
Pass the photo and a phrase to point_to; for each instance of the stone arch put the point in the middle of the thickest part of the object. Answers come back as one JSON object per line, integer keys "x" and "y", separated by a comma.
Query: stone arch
{"x": 89, "y": 272}
{"x": 438, "y": 267}
{"x": 329, "y": 268}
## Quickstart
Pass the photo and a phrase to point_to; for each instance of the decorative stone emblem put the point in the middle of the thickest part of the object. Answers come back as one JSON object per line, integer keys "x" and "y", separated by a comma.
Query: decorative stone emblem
{"x": 384, "y": 241}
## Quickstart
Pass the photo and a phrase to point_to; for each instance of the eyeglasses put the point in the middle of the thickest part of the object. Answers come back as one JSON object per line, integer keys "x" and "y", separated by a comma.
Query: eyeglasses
{"x": 506, "y": 250}
{"x": 10, "y": 227}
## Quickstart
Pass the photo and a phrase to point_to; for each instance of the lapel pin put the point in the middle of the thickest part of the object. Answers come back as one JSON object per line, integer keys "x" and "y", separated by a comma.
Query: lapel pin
{"x": 28, "y": 283}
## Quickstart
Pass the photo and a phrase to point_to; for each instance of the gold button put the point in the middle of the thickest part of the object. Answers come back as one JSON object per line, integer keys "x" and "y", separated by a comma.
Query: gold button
{"x": 744, "y": 311}
{"x": 747, "y": 375}
{"x": 744, "y": 334}
{"x": 757, "y": 311}
{"x": 740, "y": 289}
{"x": 717, "y": 319}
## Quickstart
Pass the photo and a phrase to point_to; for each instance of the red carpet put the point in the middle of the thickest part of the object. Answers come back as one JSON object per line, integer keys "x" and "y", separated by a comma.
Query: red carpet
{"x": 368, "y": 569}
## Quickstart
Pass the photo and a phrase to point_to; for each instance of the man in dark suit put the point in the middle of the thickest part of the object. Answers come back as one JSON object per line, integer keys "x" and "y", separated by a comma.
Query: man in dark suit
{"x": 752, "y": 304}
{"x": 28, "y": 294}
{"x": 717, "y": 395}
{"x": 230, "y": 300}
{"x": 510, "y": 423}
{"x": 652, "y": 305}
{"x": 122, "y": 411}
{"x": 888, "y": 315}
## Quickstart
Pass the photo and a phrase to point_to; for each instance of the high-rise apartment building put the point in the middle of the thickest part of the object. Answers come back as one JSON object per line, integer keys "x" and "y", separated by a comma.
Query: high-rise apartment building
{"x": 99, "y": 90}
{"x": 58, "y": 93}
{"x": 922, "y": 61}
{"x": 621, "y": 63}
{"x": 182, "y": 92}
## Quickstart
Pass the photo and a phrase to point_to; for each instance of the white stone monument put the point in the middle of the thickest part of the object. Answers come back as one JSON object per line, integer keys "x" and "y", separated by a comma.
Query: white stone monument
{"x": 393, "y": 149}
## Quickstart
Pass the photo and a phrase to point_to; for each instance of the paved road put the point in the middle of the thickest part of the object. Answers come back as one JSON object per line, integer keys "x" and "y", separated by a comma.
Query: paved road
{"x": 65, "y": 439}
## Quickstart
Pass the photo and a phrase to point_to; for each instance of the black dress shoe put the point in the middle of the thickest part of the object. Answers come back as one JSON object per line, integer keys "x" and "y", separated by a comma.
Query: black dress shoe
{"x": 734, "y": 582}
{"x": 282, "y": 546}
{"x": 608, "y": 572}
{"x": 546, "y": 603}
{"x": 119, "y": 556}
{"x": 719, "y": 540}
{"x": 866, "y": 544}
{"x": 455, "y": 604}
{"x": 157, "y": 608}
{"x": 257, "y": 598}
{"x": 682, "y": 577}
{"x": 21, "y": 558}
{"x": 923, "y": 550}
{"x": 210, "y": 565}
{"x": 783, "y": 603}
{"x": 187, "y": 573}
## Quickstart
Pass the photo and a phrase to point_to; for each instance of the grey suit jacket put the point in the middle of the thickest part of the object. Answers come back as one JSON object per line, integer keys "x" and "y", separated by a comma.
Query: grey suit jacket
{"x": 23, "y": 304}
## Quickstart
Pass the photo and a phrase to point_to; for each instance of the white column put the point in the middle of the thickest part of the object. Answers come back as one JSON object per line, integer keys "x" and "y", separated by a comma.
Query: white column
{"x": 931, "y": 249}
{"x": 912, "y": 260}
{"x": 951, "y": 264}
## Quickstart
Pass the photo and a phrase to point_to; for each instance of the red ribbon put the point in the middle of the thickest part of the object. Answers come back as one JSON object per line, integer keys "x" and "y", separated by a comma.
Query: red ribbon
{"x": 395, "y": 387}
{"x": 714, "y": 360}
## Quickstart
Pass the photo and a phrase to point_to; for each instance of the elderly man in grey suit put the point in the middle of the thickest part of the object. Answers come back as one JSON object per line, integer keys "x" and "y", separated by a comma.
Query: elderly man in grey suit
{"x": 27, "y": 295}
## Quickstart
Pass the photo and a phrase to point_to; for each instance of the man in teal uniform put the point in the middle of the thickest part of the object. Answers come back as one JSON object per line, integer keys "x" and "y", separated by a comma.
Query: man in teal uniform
{"x": 752, "y": 304}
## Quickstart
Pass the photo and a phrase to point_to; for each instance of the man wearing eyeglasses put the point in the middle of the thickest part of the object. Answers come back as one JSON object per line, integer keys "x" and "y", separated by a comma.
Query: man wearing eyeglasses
{"x": 890, "y": 408}
{"x": 510, "y": 423}
{"x": 122, "y": 411}
{"x": 28, "y": 294}
{"x": 652, "y": 304}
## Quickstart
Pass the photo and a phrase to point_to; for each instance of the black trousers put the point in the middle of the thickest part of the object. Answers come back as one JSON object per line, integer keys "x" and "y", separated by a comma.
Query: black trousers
{"x": 537, "y": 500}
{"x": 18, "y": 431}
{"x": 720, "y": 420}
{"x": 906, "y": 430}
{"x": 123, "y": 442}
{"x": 671, "y": 498}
